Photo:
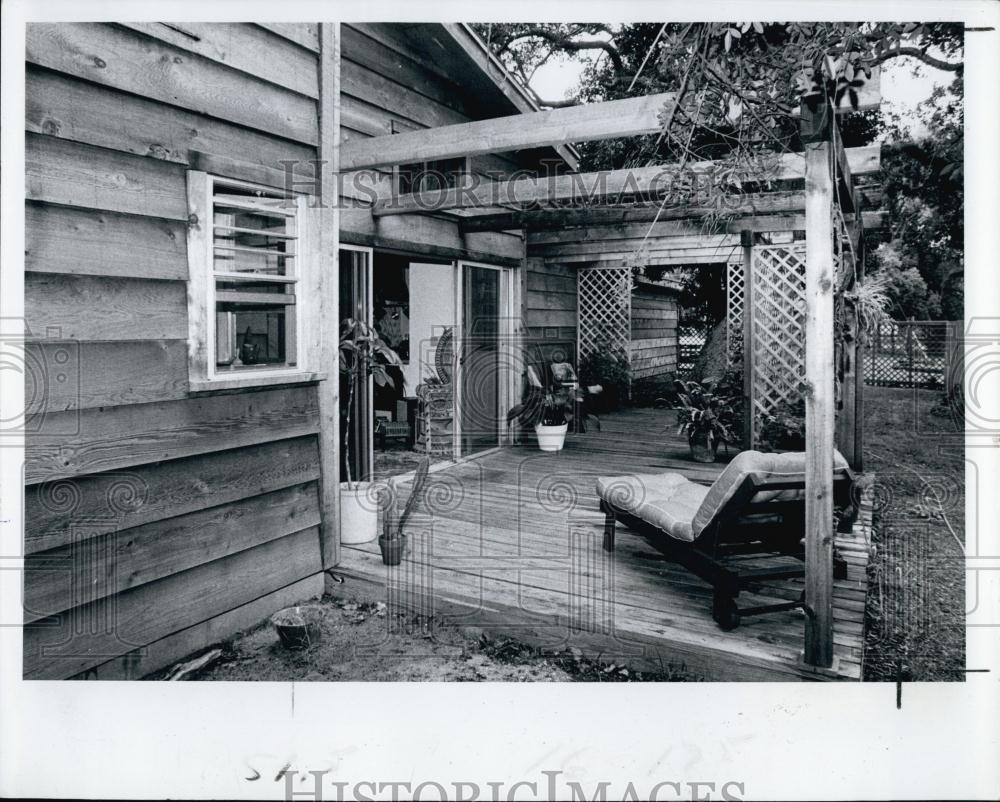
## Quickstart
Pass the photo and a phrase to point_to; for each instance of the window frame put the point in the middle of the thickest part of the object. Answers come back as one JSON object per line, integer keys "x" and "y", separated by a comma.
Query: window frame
{"x": 203, "y": 374}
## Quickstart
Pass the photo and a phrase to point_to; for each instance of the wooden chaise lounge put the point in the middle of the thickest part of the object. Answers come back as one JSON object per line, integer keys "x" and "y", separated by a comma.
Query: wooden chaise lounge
{"x": 757, "y": 505}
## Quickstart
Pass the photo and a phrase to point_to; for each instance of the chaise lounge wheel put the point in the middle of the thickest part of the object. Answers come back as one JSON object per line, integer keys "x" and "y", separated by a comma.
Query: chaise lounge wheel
{"x": 725, "y": 612}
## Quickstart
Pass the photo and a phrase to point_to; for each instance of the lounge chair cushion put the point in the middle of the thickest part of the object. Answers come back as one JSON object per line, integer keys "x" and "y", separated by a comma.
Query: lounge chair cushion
{"x": 683, "y": 509}
{"x": 763, "y": 467}
{"x": 666, "y": 500}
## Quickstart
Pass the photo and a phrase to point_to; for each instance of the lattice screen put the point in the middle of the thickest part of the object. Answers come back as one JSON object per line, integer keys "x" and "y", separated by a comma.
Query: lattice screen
{"x": 778, "y": 288}
{"x": 735, "y": 296}
{"x": 604, "y": 296}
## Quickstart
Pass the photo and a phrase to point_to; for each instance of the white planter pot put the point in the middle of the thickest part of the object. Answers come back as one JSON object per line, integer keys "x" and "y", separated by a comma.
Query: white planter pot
{"x": 358, "y": 513}
{"x": 551, "y": 438}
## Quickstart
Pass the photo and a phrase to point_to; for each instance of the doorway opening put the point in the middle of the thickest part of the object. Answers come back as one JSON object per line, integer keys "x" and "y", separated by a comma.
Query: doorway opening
{"x": 449, "y": 323}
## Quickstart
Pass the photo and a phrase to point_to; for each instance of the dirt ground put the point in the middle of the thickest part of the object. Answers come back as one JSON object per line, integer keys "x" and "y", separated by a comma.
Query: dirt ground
{"x": 361, "y": 641}
{"x": 915, "y": 616}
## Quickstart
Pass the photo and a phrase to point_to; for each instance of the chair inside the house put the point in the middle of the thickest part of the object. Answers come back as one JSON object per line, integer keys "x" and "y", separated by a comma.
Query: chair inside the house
{"x": 755, "y": 507}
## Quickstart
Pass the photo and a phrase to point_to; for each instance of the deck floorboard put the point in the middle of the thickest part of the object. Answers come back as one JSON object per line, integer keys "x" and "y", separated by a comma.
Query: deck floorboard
{"x": 512, "y": 541}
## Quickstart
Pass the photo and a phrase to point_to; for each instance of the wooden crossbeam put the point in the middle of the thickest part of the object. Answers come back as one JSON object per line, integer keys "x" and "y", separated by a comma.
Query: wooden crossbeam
{"x": 664, "y": 245}
{"x": 542, "y": 219}
{"x": 588, "y": 187}
{"x": 585, "y": 123}
{"x": 744, "y": 206}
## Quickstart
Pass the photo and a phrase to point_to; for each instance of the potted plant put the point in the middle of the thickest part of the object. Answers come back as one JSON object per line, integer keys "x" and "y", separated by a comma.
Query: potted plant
{"x": 392, "y": 541}
{"x": 362, "y": 354}
{"x": 550, "y": 408}
{"x": 705, "y": 417}
{"x": 785, "y": 428}
{"x": 608, "y": 367}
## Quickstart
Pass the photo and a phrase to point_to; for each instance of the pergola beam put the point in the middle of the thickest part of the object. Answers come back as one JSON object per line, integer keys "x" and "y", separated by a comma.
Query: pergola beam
{"x": 588, "y": 187}
{"x": 744, "y": 206}
{"x": 667, "y": 235}
{"x": 541, "y": 219}
{"x": 585, "y": 123}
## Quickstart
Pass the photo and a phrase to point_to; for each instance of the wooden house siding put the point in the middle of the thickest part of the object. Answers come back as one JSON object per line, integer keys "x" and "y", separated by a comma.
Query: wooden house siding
{"x": 550, "y": 302}
{"x": 654, "y": 333}
{"x": 388, "y": 78}
{"x": 160, "y": 519}
{"x": 156, "y": 520}
{"x": 551, "y": 315}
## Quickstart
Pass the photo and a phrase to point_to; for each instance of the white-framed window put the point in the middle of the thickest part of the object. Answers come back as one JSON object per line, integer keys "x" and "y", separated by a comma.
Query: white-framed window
{"x": 249, "y": 298}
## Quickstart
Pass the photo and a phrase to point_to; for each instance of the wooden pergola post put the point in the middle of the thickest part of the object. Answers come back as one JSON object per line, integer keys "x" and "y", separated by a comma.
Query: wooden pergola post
{"x": 819, "y": 386}
{"x": 746, "y": 241}
{"x": 328, "y": 300}
{"x": 858, "y": 463}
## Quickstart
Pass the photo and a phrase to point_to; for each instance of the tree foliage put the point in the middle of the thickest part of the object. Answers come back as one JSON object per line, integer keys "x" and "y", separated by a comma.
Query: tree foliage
{"x": 738, "y": 88}
{"x": 923, "y": 185}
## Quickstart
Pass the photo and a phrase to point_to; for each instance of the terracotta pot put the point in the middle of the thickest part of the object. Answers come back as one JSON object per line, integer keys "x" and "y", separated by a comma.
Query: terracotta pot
{"x": 392, "y": 549}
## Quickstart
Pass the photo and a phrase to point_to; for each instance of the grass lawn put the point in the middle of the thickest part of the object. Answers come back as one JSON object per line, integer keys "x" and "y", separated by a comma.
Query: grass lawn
{"x": 915, "y": 616}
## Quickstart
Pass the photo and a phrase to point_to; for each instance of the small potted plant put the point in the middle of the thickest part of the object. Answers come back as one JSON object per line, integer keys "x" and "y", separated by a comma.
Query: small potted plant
{"x": 362, "y": 354}
{"x": 705, "y": 417}
{"x": 392, "y": 541}
{"x": 608, "y": 367}
{"x": 550, "y": 408}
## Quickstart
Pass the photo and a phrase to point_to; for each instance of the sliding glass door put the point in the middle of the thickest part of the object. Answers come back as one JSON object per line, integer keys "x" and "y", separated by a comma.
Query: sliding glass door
{"x": 484, "y": 362}
{"x": 356, "y": 407}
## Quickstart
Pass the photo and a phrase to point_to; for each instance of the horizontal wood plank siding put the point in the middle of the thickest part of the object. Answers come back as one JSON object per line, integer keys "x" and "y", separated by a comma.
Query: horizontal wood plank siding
{"x": 163, "y": 652}
{"x": 80, "y": 241}
{"x": 121, "y": 560}
{"x": 405, "y": 69}
{"x": 120, "y": 437}
{"x": 550, "y": 299}
{"x": 398, "y": 101}
{"x": 85, "y": 375}
{"x": 149, "y": 493}
{"x": 130, "y": 308}
{"x": 126, "y": 60}
{"x": 66, "y": 107}
{"x": 654, "y": 333}
{"x": 182, "y": 513}
{"x": 53, "y": 647}
{"x": 77, "y": 175}
{"x": 251, "y": 49}
{"x": 304, "y": 34}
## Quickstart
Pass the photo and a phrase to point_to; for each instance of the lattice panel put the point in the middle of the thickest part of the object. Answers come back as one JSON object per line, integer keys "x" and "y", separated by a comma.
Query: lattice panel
{"x": 604, "y": 296}
{"x": 908, "y": 354}
{"x": 778, "y": 288}
{"x": 735, "y": 301}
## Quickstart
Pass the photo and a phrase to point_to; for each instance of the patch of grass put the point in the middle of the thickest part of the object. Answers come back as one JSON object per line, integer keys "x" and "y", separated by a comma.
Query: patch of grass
{"x": 915, "y": 616}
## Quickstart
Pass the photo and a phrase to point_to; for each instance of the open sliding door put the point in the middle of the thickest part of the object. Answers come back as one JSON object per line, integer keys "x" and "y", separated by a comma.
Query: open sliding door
{"x": 486, "y": 360}
{"x": 358, "y": 417}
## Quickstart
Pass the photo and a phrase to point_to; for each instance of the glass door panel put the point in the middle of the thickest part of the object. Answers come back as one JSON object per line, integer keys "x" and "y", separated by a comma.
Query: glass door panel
{"x": 480, "y": 363}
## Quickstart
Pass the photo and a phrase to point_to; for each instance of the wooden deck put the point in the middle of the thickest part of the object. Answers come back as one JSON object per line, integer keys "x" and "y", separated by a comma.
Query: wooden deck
{"x": 511, "y": 542}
